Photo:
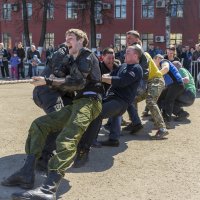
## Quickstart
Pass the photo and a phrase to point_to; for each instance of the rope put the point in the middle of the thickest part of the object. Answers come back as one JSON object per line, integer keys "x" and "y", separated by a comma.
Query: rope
{"x": 16, "y": 81}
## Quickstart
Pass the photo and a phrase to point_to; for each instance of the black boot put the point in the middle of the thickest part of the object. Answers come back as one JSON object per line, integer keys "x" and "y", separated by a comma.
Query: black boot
{"x": 25, "y": 177}
{"x": 81, "y": 159}
{"x": 46, "y": 192}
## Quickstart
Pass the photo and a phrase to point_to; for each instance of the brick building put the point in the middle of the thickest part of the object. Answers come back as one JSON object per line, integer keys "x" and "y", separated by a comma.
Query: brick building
{"x": 113, "y": 19}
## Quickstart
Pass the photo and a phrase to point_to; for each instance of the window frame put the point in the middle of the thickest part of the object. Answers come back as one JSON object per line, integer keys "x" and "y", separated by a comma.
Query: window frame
{"x": 119, "y": 8}
{"x": 173, "y": 40}
{"x": 147, "y": 5}
{"x": 71, "y": 9}
{"x": 175, "y": 4}
{"x": 7, "y": 11}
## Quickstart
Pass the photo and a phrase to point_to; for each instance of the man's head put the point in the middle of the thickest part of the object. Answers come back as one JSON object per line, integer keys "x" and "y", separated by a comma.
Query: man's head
{"x": 33, "y": 48}
{"x": 171, "y": 51}
{"x": 75, "y": 40}
{"x": 132, "y": 37}
{"x": 157, "y": 59}
{"x": 133, "y": 54}
{"x": 177, "y": 64}
{"x": 108, "y": 57}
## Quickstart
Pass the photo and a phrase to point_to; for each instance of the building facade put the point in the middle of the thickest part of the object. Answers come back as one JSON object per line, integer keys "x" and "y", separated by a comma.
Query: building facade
{"x": 113, "y": 19}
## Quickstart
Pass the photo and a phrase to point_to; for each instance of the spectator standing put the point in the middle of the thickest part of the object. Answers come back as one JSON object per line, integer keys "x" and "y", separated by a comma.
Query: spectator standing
{"x": 152, "y": 51}
{"x": 21, "y": 55}
{"x": 14, "y": 61}
{"x": 98, "y": 53}
{"x": 187, "y": 58}
{"x": 4, "y": 57}
{"x": 196, "y": 53}
{"x": 31, "y": 52}
{"x": 171, "y": 54}
{"x": 35, "y": 61}
{"x": 49, "y": 53}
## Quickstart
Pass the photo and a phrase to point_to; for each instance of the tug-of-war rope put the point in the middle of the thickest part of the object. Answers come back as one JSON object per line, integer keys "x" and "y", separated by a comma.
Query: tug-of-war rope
{"x": 6, "y": 82}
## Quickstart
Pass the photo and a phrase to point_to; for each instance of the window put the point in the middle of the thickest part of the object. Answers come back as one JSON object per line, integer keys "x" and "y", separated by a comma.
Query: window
{"x": 29, "y": 10}
{"x": 23, "y": 39}
{"x": 120, "y": 9}
{"x": 50, "y": 10}
{"x": 71, "y": 10}
{"x": 6, "y": 39}
{"x": 120, "y": 39}
{"x": 176, "y": 38}
{"x": 147, "y": 8}
{"x": 49, "y": 40}
{"x": 147, "y": 38}
{"x": 98, "y": 9}
{"x": 176, "y": 8}
{"x": 7, "y": 11}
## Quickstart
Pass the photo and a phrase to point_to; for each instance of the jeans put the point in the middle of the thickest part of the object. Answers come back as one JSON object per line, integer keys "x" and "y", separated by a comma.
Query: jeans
{"x": 111, "y": 108}
{"x": 34, "y": 71}
{"x": 132, "y": 109}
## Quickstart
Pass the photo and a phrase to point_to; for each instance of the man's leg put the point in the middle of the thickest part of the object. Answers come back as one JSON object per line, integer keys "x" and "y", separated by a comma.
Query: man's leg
{"x": 174, "y": 90}
{"x": 38, "y": 132}
{"x": 155, "y": 87}
{"x": 82, "y": 112}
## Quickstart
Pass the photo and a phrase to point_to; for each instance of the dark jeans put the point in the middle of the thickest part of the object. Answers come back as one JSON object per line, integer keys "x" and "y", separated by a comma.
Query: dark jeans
{"x": 21, "y": 70}
{"x": 4, "y": 69}
{"x": 132, "y": 109}
{"x": 168, "y": 97}
{"x": 111, "y": 108}
{"x": 187, "y": 98}
{"x": 30, "y": 74}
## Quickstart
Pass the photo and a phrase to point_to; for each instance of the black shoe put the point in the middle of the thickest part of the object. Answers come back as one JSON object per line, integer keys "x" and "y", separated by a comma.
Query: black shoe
{"x": 46, "y": 192}
{"x": 136, "y": 128}
{"x": 183, "y": 115}
{"x": 81, "y": 159}
{"x": 128, "y": 128}
{"x": 160, "y": 134}
{"x": 25, "y": 177}
{"x": 42, "y": 162}
{"x": 110, "y": 143}
{"x": 96, "y": 144}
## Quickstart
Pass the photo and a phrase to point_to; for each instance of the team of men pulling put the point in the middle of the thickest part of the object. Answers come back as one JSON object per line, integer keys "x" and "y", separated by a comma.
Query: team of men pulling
{"x": 77, "y": 93}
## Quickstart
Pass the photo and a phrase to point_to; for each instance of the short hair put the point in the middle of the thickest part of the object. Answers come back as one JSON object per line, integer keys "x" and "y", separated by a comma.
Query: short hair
{"x": 158, "y": 56}
{"x": 108, "y": 50}
{"x": 79, "y": 35}
{"x": 133, "y": 32}
{"x": 137, "y": 48}
{"x": 177, "y": 64}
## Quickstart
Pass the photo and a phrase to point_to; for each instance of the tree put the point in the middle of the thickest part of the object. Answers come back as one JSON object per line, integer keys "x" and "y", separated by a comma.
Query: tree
{"x": 25, "y": 23}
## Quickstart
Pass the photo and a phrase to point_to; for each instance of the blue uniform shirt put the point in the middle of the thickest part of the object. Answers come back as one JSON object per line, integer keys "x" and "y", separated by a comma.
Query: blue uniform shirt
{"x": 125, "y": 81}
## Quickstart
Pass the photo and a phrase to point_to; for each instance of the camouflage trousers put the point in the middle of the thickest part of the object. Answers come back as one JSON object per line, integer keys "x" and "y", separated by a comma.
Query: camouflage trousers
{"x": 73, "y": 120}
{"x": 154, "y": 89}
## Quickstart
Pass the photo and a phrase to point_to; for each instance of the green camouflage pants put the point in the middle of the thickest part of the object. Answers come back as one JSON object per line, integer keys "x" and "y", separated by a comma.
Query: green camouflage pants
{"x": 154, "y": 89}
{"x": 73, "y": 120}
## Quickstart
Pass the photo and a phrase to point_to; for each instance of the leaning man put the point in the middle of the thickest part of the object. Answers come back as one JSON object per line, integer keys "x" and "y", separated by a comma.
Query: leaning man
{"x": 85, "y": 79}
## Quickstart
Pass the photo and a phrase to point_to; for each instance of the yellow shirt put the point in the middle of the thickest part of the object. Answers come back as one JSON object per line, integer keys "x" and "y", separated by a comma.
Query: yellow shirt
{"x": 154, "y": 72}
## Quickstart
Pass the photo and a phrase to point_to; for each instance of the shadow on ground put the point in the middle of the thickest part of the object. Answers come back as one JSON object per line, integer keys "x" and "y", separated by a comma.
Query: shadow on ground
{"x": 10, "y": 164}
